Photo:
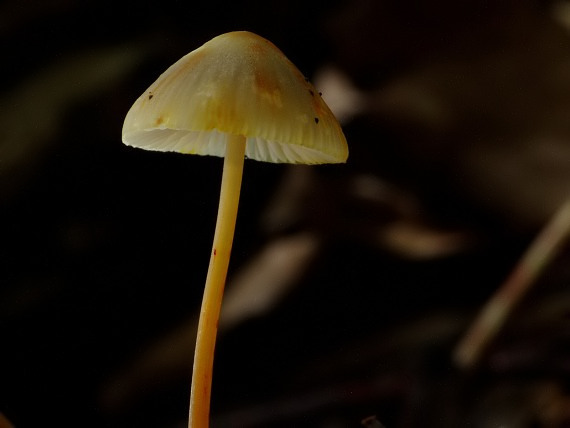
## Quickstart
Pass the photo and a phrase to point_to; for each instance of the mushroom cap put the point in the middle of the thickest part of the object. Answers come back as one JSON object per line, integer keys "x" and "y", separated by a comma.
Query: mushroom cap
{"x": 237, "y": 83}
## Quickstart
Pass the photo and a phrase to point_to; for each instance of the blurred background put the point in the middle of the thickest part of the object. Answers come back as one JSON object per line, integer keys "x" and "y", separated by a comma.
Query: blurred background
{"x": 350, "y": 286}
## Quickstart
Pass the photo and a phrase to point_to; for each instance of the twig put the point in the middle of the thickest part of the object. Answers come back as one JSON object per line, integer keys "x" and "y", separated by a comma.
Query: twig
{"x": 4, "y": 422}
{"x": 497, "y": 309}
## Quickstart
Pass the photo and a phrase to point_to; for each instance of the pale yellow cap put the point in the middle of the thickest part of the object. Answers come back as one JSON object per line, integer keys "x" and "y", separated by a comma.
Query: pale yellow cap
{"x": 237, "y": 83}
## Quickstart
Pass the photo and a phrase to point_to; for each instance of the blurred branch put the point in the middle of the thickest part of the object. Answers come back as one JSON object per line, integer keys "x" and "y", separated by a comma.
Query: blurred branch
{"x": 32, "y": 113}
{"x": 495, "y": 312}
{"x": 5, "y": 423}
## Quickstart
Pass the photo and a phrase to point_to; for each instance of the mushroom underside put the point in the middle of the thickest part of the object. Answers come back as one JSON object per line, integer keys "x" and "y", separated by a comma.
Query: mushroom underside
{"x": 214, "y": 143}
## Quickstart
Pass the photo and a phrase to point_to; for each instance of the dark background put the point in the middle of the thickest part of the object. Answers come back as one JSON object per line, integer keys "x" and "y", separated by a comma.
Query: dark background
{"x": 459, "y": 154}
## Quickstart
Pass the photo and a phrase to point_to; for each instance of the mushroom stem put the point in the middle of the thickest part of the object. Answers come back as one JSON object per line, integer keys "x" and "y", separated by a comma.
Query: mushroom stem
{"x": 215, "y": 282}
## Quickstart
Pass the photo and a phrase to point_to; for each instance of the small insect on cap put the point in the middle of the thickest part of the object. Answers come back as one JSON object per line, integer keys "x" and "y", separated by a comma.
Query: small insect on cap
{"x": 238, "y": 83}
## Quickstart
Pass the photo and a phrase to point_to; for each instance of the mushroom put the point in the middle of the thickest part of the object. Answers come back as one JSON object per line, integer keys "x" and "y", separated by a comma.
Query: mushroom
{"x": 236, "y": 96}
